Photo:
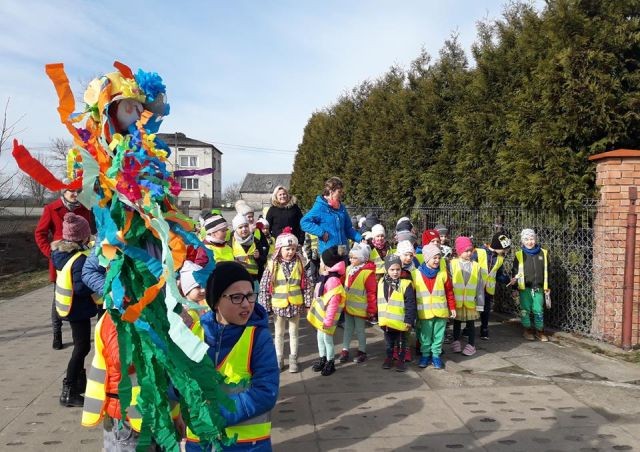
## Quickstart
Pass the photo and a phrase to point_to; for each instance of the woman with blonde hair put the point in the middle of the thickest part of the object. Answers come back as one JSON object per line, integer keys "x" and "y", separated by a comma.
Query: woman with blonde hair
{"x": 284, "y": 211}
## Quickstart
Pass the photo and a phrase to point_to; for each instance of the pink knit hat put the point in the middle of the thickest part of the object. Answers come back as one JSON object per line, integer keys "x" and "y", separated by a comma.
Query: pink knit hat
{"x": 75, "y": 228}
{"x": 463, "y": 244}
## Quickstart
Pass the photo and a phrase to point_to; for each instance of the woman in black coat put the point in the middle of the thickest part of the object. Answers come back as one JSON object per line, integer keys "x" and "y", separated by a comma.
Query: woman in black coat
{"x": 284, "y": 211}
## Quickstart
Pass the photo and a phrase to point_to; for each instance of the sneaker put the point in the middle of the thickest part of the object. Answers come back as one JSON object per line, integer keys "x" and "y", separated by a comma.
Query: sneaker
{"x": 484, "y": 338}
{"x": 387, "y": 363}
{"x": 437, "y": 363}
{"x": 401, "y": 366}
{"x": 362, "y": 357}
{"x": 542, "y": 337}
{"x": 344, "y": 356}
{"x": 424, "y": 361}
{"x": 528, "y": 335}
{"x": 456, "y": 346}
{"x": 469, "y": 350}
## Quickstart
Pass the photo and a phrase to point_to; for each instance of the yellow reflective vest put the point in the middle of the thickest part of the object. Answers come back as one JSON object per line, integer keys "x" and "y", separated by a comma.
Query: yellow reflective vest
{"x": 356, "y": 303}
{"x": 318, "y": 310}
{"x": 483, "y": 260}
{"x": 64, "y": 286}
{"x": 465, "y": 293}
{"x": 221, "y": 253}
{"x": 431, "y": 304}
{"x": 379, "y": 261}
{"x": 287, "y": 291}
{"x": 237, "y": 375}
{"x": 391, "y": 311}
{"x": 246, "y": 257}
{"x": 95, "y": 395}
{"x": 520, "y": 258}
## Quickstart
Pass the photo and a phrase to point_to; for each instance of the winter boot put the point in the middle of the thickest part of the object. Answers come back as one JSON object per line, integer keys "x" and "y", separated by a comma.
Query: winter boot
{"x": 407, "y": 355}
{"x": 293, "y": 364}
{"x": 69, "y": 396}
{"x": 528, "y": 334}
{"x": 387, "y": 363}
{"x": 319, "y": 365}
{"x": 395, "y": 352}
{"x": 400, "y": 363}
{"x": 57, "y": 340}
{"x": 329, "y": 368}
{"x": 362, "y": 357}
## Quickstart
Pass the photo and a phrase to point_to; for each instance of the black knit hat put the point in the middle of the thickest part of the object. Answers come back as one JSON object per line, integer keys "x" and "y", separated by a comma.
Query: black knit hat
{"x": 391, "y": 259}
{"x": 225, "y": 274}
{"x": 371, "y": 220}
{"x": 500, "y": 241}
{"x": 331, "y": 256}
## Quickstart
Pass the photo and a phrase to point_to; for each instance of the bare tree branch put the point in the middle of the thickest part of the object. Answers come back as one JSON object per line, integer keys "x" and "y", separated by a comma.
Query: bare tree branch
{"x": 231, "y": 193}
{"x": 7, "y": 131}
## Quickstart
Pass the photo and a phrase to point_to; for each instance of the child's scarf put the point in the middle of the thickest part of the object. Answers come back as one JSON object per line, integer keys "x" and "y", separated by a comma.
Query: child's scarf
{"x": 533, "y": 251}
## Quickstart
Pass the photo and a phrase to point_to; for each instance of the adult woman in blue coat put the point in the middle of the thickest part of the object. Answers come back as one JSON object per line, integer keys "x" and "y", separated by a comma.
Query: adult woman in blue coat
{"x": 328, "y": 219}
{"x": 234, "y": 313}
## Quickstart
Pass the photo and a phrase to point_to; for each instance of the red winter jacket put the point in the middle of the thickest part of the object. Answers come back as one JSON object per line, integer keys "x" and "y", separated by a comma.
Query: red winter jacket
{"x": 49, "y": 228}
{"x": 111, "y": 351}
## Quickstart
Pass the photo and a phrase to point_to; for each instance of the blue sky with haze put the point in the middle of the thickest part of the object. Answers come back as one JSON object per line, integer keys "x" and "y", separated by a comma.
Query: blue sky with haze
{"x": 247, "y": 73}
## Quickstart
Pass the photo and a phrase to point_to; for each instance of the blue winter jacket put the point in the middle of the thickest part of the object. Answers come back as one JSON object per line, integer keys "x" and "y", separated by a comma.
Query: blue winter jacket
{"x": 94, "y": 274}
{"x": 262, "y": 395}
{"x": 336, "y": 222}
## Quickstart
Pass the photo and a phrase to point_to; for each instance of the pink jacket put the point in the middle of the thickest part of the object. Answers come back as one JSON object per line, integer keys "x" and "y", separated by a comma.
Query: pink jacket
{"x": 334, "y": 303}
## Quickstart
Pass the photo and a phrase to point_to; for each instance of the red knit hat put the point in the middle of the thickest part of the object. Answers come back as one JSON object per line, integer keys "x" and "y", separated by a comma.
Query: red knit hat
{"x": 428, "y": 235}
{"x": 75, "y": 228}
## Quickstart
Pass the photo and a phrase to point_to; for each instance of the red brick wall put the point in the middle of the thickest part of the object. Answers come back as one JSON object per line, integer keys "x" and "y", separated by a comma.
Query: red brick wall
{"x": 616, "y": 171}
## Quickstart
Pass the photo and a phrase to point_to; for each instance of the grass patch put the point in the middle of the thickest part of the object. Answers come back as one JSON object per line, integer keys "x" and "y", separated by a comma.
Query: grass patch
{"x": 22, "y": 283}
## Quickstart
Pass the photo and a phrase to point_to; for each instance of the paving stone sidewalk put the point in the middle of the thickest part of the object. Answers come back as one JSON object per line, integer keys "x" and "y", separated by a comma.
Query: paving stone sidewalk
{"x": 513, "y": 395}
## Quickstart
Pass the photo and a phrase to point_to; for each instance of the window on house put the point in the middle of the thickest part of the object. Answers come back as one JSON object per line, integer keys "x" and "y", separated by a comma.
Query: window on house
{"x": 188, "y": 161}
{"x": 189, "y": 183}
{"x": 180, "y": 149}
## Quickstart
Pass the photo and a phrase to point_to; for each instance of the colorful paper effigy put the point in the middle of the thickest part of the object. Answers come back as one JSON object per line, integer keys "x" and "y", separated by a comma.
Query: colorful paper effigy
{"x": 121, "y": 165}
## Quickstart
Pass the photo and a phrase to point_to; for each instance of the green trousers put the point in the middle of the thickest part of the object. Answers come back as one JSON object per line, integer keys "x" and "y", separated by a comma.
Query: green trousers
{"x": 532, "y": 301}
{"x": 431, "y": 333}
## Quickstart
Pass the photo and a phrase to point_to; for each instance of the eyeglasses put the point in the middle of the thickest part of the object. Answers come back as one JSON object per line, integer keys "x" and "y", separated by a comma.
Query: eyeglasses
{"x": 238, "y": 298}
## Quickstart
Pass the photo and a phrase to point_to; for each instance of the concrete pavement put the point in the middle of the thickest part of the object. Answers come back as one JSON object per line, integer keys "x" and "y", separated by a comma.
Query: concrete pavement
{"x": 512, "y": 396}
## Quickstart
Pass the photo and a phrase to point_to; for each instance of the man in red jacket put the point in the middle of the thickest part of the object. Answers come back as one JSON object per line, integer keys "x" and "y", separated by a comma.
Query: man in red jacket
{"x": 49, "y": 228}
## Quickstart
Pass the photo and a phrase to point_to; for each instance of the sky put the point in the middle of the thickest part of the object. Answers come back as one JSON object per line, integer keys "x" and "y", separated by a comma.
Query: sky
{"x": 243, "y": 75}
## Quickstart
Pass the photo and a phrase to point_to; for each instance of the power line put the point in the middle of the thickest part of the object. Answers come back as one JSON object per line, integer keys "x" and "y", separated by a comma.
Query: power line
{"x": 256, "y": 148}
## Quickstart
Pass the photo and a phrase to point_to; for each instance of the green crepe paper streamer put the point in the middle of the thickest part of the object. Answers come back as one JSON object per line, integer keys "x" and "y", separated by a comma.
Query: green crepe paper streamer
{"x": 90, "y": 172}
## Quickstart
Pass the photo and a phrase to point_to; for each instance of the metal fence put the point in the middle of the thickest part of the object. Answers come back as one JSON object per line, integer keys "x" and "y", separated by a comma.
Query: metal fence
{"x": 569, "y": 237}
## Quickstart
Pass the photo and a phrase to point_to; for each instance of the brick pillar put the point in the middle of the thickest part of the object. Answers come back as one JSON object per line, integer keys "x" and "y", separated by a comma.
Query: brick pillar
{"x": 616, "y": 171}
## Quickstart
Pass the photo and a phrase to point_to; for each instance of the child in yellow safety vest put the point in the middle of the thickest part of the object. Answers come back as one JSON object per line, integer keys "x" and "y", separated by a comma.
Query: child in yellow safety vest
{"x": 73, "y": 301}
{"x": 247, "y": 249}
{"x": 285, "y": 291}
{"x": 396, "y": 310}
{"x": 468, "y": 287}
{"x": 361, "y": 287}
{"x": 328, "y": 303}
{"x": 436, "y": 303}
{"x": 379, "y": 249}
{"x": 491, "y": 257}
{"x": 530, "y": 272}
{"x": 194, "y": 293}
{"x": 215, "y": 239}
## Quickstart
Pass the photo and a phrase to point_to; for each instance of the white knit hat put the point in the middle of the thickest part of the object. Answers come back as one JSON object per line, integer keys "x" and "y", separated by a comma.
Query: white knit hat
{"x": 187, "y": 281}
{"x": 378, "y": 229}
{"x": 243, "y": 208}
{"x": 361, "y": 251}
{"x": 238, "y": 221}
{"x": 527, "y": 234}
{"x": 404, "y": 247}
